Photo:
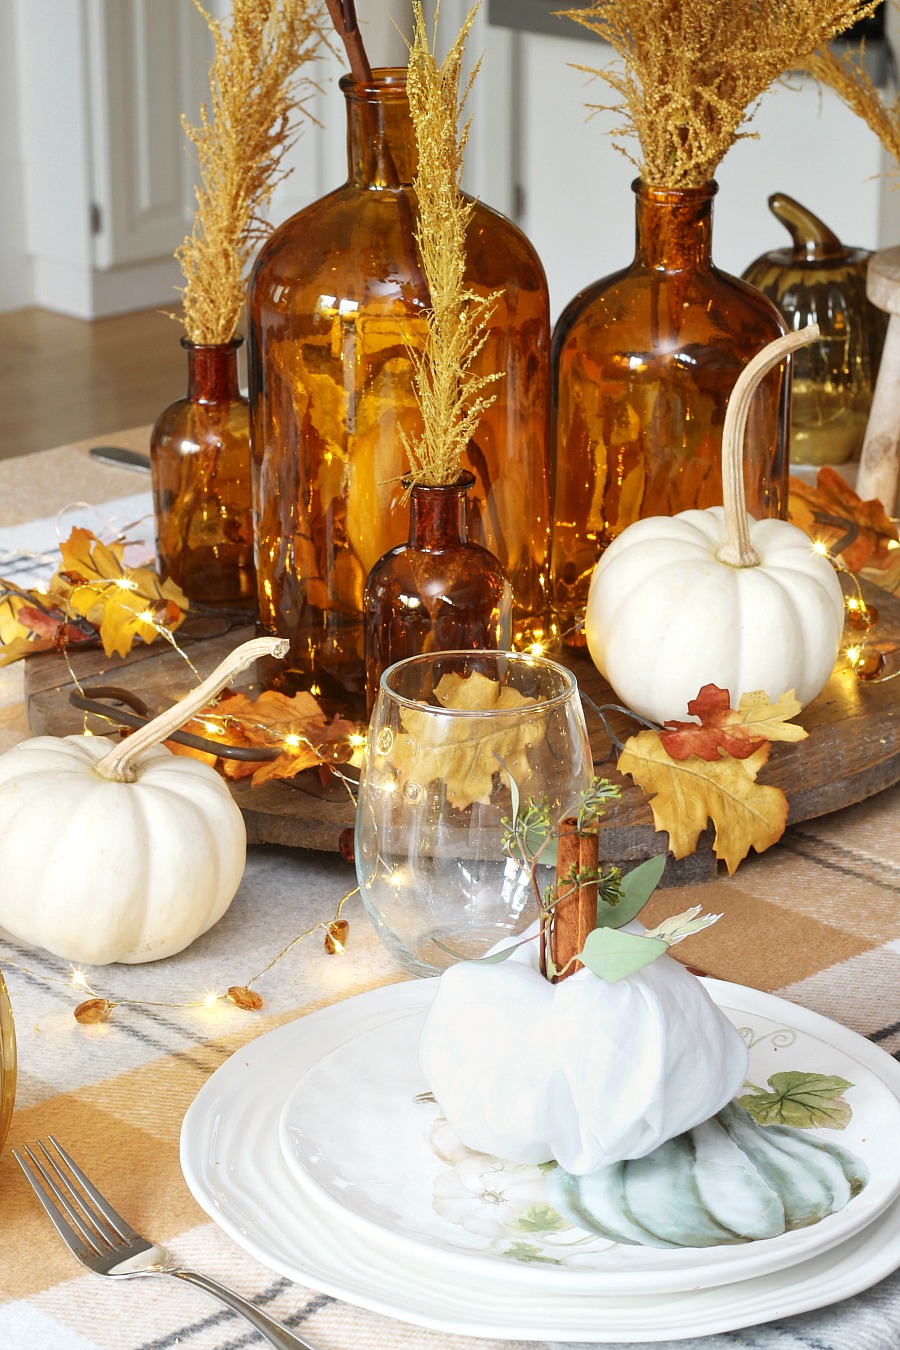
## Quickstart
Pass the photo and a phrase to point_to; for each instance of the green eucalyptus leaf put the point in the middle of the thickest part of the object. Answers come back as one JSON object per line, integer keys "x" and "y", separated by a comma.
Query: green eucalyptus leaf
{"x": 805, "y": 1101}
{"x": 613, "y": 955}
{"x": 513, "y": 787}
{"x": 635, "y": 889}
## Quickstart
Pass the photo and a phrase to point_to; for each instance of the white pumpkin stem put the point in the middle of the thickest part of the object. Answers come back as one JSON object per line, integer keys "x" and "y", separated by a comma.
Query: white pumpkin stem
{"x": 737, "y": 549}
{"x": 119, "y": 764}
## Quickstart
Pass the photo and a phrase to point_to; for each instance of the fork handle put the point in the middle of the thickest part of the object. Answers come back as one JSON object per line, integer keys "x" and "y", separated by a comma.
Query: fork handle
{"x": 273, "y": 1331}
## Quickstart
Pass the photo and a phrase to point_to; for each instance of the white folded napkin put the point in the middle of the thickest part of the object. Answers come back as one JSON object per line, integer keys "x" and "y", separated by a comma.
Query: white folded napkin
{"x": 583, "y": 1072}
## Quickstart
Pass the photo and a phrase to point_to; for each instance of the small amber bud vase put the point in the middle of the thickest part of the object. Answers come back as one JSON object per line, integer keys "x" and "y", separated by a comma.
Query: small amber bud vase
{"x": 7, "y": 1063}
{"x": 200, "y": 456}
{"x": 437, "y": 593}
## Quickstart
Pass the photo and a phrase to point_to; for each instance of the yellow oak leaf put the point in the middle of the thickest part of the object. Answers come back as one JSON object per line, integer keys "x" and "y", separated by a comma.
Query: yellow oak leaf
{"x": 685, "y": 794}
{"x": 464, "y": 752}
{"x": 771, "y": 721}
{"x": 123, "y": 602}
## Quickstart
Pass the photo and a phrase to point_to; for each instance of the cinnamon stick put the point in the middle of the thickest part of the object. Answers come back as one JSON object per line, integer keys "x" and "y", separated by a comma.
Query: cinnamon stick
{"x": 574, "y": 917}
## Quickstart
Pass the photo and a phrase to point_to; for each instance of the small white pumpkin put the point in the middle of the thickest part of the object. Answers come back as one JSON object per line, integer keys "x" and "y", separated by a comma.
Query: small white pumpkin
{"x": 126, "y": 854}
{"x": 585, "y": 1072}
{"x": 714, "y": 596}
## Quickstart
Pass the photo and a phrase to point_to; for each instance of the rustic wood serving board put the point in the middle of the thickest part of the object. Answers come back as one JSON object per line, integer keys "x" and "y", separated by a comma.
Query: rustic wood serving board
{"x": 853, "y": 750}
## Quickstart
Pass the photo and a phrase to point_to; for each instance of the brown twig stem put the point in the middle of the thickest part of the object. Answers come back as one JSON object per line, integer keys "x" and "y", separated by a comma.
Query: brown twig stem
{"x": 343, "y": 16}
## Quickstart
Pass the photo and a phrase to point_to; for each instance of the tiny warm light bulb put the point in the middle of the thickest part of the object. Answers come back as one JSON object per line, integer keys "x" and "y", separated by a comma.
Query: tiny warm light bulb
{"x": 126, "y": 584}
{"x": 211, "y": 1000}
{"x": 210, "y": 727}
{"x": 292, "y": 741}
{"x": 356, "y": 739}
{"x": 536, "y": 649}
{"x": 853, "y": 655}
{"x": 145, "y": 617}
{"x": 78, "y": 979}
{"x": 852, "y": 602}
{"x": 820, "y": 548}
{"x": 315, "y": 691}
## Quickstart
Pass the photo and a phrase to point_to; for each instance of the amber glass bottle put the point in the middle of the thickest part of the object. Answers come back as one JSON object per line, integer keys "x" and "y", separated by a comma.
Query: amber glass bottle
{"x": 200, "y": 457}
{"x": 437, "y": 593}
{"x": 337, "y": 304}
{"x": 644, "y": 362}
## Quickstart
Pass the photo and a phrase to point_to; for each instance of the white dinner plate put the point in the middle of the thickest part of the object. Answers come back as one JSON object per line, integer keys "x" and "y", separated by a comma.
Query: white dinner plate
{"x": 355, "y": 1136}
{"x": 233, "y": 1164}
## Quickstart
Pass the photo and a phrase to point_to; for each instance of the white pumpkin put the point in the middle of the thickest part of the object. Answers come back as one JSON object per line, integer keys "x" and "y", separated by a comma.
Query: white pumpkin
{"x": 584, "y": 1072}
{"x": 126, "y": 854}
{"x": 714, "y": 596}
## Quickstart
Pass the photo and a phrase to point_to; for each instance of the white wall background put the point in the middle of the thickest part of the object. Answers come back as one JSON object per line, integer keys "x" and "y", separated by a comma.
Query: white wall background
{"x": 533, "y": 154}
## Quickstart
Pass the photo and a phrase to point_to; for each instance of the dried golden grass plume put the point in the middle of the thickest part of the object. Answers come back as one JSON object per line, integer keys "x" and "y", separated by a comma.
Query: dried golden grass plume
{"x": 240, "y": 142}
{"x": 450, "y": 393}
{"x": 693, "y": 70}
{"x": 848, "y": 77}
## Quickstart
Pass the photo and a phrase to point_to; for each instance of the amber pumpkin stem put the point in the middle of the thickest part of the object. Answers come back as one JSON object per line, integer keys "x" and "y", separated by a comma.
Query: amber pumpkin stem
{"x": 737, "y": 549}
{"x": 119, "y": 765}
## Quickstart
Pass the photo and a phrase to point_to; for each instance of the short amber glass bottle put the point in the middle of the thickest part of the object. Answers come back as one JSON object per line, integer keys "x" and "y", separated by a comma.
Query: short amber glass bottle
{"x": 337, "y": 306}
{"x": 200, "y": 457}
{"x": 437, "y": 593}
{"x": 644, "y": 362}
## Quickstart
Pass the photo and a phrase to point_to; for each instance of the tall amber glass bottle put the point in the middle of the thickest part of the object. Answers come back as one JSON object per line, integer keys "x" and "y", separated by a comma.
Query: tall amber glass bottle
{"x": 438, "y": 592}
{"x": 337, "y": 304}
{"x": 200, "y": 458}
{"x": 644, "y": 362}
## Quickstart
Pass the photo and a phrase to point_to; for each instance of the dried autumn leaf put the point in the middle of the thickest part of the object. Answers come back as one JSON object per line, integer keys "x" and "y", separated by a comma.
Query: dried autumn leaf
{"x": 685, "y": 794}
{"x": 95, "y": 583}
{"x": 465, "y": 753}
{"x": 297, "y": 725}
{"x": 723, "y": 730}
{"x": 858, "y": 532}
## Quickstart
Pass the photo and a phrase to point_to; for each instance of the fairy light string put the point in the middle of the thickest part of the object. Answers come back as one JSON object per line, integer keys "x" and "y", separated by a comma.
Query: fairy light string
{"x": 97, "y": 1007}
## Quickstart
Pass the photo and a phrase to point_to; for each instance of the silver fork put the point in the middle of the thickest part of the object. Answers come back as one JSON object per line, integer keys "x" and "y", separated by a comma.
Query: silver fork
{"x": 106, "y": 1244}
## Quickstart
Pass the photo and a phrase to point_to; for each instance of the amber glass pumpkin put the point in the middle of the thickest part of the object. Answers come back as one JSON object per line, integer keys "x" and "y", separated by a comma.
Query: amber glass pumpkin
{"x": 644, "y": 362}
{"x": 200, "y": 459}
{"x": 7, "y": 1063}
{"x": 337, "y": 306}
{"x": 439, "y": 592}
{"x": 820, "y": 280}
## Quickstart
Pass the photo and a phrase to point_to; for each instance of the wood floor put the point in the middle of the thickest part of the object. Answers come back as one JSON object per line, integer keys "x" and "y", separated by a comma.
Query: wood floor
{"x": 64, "y": 379}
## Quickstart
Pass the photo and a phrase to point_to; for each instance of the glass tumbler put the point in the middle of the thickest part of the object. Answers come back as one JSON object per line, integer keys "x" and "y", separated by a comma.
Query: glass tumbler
{"x": 457, "y": 743}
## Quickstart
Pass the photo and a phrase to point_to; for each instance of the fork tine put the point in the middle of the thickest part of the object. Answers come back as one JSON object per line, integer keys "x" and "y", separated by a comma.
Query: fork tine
{"x": 98, "y": 1234}
{"x": 75, "y": 1244}
{"x": 112, "y": 1217}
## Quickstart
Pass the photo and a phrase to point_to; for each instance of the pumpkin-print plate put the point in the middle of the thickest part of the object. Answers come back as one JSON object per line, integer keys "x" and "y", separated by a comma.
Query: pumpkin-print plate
{"x": 234, "y": 1167}
{"x": 357, "y": 1136}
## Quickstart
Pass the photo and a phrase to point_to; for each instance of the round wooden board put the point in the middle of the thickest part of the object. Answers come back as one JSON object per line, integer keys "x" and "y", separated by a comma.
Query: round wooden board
{"x": 853, "y": 750}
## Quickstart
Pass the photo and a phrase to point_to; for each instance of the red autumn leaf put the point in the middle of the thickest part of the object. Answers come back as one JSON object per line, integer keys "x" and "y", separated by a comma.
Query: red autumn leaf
{"x": 715, "y": 735}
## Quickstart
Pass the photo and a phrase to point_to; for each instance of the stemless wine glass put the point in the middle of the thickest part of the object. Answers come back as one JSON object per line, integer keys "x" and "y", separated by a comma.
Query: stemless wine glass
{"x": 457, "y": 742}
{"x": 7, "y": 1063}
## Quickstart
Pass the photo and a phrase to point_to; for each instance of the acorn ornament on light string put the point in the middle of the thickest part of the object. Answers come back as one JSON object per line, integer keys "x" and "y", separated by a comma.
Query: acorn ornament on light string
{"x": 715, "y": 596}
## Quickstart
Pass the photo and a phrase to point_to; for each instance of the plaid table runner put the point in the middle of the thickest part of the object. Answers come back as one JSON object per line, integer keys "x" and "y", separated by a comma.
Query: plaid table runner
{"x": 816, "y": 920}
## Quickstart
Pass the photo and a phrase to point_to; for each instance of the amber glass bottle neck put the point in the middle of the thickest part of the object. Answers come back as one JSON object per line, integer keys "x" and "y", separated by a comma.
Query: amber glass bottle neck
{"x": 674, "y": 227}
{"x": 437, "y": 514}
{"x": 213, "y": 371}
{"x": 381, "y": 143}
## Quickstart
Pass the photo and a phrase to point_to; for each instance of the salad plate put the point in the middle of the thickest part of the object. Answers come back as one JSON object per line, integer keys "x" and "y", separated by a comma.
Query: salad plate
{"x": 358, "y": 1136}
